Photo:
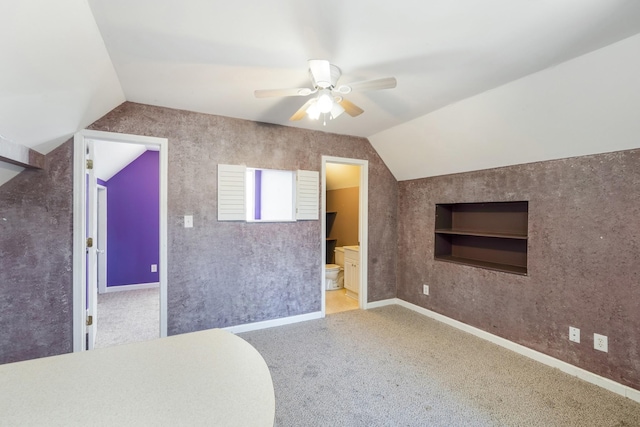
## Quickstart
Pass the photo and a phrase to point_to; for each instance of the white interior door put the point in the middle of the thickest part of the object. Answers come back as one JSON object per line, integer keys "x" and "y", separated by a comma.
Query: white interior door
{"x": 92, "y": 246}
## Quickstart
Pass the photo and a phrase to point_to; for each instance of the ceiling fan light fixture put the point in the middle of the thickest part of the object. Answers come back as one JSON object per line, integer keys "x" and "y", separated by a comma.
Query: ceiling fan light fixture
{"x": 313, "y": 112}
{"x": 325, "y": 101}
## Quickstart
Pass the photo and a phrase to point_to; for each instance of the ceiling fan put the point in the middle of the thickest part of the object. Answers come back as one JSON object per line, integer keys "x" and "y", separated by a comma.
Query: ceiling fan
{"x": 329, "y": 101}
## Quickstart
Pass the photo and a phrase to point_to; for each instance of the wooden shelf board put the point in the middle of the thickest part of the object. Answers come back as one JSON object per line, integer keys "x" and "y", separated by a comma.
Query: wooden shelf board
{"x": 481, "y": 234}
{"x": 514, "y": 269}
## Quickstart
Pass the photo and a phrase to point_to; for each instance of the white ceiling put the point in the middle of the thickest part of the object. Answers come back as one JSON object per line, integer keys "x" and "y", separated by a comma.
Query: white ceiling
{"x": 67, "y": 63}
{"x": 111, "y": 157}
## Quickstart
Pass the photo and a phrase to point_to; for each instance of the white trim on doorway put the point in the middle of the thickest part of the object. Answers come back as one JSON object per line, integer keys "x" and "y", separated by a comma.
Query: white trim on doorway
{"x": 102, "y": 238}
{"x": 363, "y": 226}
{"x": 79, "y": 225}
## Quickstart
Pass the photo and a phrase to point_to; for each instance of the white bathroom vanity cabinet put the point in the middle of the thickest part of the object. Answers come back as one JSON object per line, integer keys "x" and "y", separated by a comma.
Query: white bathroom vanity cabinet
{"x": 352, "y": 271}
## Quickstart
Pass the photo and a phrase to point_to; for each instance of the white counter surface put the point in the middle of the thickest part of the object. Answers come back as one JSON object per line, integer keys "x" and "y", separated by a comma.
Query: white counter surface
{"x": 203, "y": 378}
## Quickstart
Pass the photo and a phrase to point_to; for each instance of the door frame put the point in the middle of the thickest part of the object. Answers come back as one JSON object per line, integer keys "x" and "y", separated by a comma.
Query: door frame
{"x": 101, "y": 242}
{"x": 363, "y": 226}
{"x": 79, "y": 225}
{"x": 91, "y": 257}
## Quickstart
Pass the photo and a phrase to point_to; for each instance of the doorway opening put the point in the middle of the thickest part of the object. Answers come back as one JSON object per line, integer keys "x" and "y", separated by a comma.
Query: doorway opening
{"x": 98, "y": 270}
{"x": 344, "y": 219}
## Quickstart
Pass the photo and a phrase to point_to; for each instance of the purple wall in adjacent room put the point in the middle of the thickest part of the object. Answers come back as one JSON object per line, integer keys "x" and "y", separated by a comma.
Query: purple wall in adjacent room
{"x": 133, "y": 222}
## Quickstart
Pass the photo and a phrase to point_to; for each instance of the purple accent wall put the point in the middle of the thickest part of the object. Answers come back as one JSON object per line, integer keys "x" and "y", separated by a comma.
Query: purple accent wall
{"x": 258, "y": 195}
{"x": 133, "y": 222}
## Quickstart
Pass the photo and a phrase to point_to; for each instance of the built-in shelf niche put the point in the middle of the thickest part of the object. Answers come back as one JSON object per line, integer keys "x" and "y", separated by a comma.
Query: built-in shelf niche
{"x": 489, "y": 235}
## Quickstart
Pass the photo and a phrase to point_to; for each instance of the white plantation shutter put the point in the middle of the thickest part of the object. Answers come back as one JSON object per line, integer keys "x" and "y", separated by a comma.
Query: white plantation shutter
{"x": 231, "y": 192}
{"x": 307, "y": 195}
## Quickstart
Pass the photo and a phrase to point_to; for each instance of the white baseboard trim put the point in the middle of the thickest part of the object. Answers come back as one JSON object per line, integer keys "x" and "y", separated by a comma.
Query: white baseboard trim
{"x": 132, "y": 287}
{"x": 295, "y": 319}
{"x": 273, "y": 323}
{"x": 583, "y": 374}
{"x": 382, "y": 303}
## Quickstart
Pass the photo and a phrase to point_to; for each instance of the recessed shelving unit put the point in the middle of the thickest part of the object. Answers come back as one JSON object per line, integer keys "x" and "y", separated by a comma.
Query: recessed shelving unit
{"x": 489, "y": 235}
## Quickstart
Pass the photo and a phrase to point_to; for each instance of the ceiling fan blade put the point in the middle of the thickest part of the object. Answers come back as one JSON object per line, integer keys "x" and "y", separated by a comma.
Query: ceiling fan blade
{"x": 352, "y": 109}
{"x": 298, "y": 115}
{"x": 320, "y": 70}
{"x": 266, "y": 93}
{"x": 377, "y": 84}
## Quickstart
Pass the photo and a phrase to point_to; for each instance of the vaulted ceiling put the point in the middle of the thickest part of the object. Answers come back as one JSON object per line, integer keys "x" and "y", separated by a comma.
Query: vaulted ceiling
{"x": 67, "y": 63}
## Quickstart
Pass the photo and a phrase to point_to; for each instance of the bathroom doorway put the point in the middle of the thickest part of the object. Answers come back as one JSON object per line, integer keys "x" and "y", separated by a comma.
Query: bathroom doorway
{"x": 344, "y": 210}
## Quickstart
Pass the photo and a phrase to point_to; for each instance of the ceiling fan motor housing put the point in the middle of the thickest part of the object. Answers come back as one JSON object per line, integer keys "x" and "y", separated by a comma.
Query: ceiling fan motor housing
{"x": 329, "y": 81}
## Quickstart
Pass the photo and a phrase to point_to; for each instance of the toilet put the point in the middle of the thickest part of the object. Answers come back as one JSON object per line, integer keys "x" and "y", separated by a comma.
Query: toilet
{"x": 334, "y": 273}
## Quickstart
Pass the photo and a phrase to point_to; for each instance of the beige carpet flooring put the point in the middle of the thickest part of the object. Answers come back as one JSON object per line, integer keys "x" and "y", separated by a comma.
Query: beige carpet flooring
{"x": 393, "y": 367}
{"x": 128, "y": 316}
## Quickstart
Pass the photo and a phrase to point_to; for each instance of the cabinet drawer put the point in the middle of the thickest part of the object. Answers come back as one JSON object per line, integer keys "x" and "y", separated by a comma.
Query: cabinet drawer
{"x": 351, "y": 255}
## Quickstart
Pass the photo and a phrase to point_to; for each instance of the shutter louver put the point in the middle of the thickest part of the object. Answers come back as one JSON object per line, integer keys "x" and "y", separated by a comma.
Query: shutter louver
{"x": 307, "y": 195}
{"x": 231, "y": 193}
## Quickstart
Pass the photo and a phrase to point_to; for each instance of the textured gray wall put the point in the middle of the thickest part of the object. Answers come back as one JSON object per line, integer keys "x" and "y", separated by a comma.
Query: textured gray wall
{"x": 36, "y": 299}
{"x": 583, "y": 262}
{"x": 230, "y": 273}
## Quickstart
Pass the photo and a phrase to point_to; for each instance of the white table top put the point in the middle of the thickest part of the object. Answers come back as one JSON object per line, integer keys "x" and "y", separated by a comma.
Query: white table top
{"x": 203, "y": 378}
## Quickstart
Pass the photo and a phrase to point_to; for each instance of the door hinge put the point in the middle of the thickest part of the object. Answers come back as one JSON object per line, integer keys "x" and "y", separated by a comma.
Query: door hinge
{"x": 89, "y": 164}
{"x": 89, "y": 320}
{"x": 90, "y": 242}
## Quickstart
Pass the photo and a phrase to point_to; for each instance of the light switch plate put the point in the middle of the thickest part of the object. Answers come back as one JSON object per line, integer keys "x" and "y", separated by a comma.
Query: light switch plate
{"x": 188, "y": 221}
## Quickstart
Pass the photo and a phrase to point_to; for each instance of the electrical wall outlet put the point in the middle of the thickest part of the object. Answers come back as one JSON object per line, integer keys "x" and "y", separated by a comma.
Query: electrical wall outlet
{"x": 425, "y": 289}
{"x": 154, "y": 268}
{"x": 601, "y": 342}
{"x": 574, "y": 334}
